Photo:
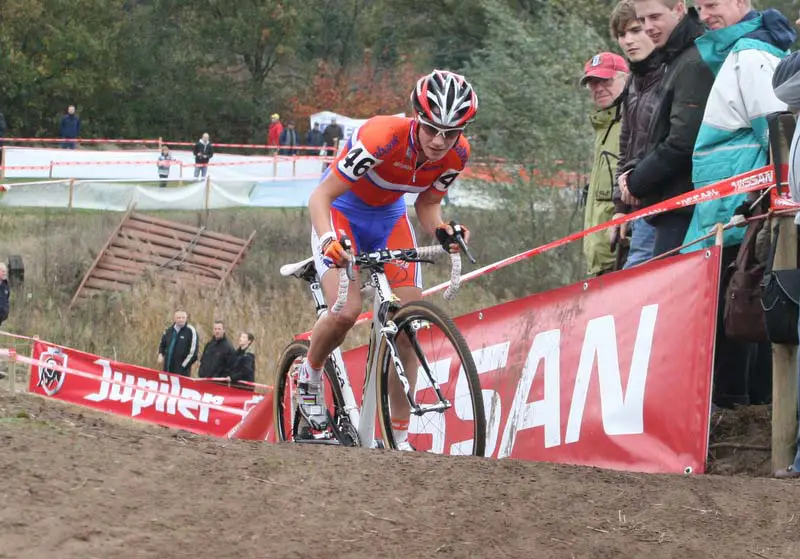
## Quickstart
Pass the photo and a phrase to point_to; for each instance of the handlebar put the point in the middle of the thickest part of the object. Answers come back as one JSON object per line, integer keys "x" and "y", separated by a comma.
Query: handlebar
{"x": 421, "y": 254}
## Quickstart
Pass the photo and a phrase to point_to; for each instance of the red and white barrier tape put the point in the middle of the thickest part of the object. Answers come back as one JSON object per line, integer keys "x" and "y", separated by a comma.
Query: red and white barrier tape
{"x": 131, "y": 162}
{"x": 12, "y": 354}
{"x": 37, "y": 339}
{"x": 757, "y": 179}
{"x": 78, "y": 141}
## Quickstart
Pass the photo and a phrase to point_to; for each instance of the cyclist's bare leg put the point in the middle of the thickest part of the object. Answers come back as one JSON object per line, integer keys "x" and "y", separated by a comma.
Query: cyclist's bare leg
{"x": 397, "y": 396}
{"x": 330, "y": 331}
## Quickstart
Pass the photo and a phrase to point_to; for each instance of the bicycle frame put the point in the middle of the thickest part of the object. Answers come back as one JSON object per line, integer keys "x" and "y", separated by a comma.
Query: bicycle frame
{"x": 363, "y": 418}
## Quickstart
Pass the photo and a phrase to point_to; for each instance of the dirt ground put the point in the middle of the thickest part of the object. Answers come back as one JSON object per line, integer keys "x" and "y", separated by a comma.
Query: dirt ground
{"x": 85, "y": 485}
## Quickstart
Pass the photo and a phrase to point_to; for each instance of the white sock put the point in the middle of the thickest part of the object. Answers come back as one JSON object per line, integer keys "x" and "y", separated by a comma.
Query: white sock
{"x": 309, "y": 373}
{"x": 399, "y": 430}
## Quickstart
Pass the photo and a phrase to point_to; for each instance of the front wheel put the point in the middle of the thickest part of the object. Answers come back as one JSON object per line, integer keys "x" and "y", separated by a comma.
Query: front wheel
{"x": 285, "y": 405}
{"x": 442, "y": 358}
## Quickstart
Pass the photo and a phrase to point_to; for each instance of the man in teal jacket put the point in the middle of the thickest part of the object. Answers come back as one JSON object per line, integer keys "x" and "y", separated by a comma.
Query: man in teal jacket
{"x": 742, "y": 48}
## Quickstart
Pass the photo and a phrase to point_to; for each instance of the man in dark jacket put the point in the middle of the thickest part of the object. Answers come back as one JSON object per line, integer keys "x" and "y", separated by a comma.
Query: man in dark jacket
{"x": 217, "y": 355}
{"x": 332, "y": 135}
{"x": 639, "y": 101}
{"x": 69, "y": 128}
{"x": 314, "y": 137}
{"x": 177, "y": 351}
{"x": 665, "y": 170}
{"x": 203, "y": 152}
{"x": 243, "y": 367}
{"x": 288, "y": 140}
{"x": 5, "y": 294}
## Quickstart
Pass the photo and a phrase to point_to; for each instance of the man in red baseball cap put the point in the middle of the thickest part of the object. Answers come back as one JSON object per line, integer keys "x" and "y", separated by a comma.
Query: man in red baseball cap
{"x": 603, "y": 69}
{"x": 604, "y": 75}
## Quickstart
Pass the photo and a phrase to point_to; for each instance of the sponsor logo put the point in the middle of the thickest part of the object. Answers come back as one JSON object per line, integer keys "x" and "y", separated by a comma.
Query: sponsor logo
{"x": 386, "y": 149}
{"x": 621, "y": 394}
{"x": 50, "y": 379}
{"x": 765, "y": 178}
{"x": 461, "y": 151}
{"x": 405, "y": 166}
{"x": 167, "y": 397}
{"x": 700, "y": 197}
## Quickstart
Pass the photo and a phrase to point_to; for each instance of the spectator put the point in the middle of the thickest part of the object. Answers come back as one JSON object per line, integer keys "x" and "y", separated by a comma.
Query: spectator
{"x": 203, "y": 152}
{"x": 70, "y": 128}
{"x": 786, "y": 81}
{"x": 314, "y": 136}
{"x": 217, "y": 355}
{"x": 5, "y": 294}
{"x": 665, "y": 169}
{"x": 275, "y": 131}
{"x": 243, "y": 367}
{"x": 605, "y": 76}
{"x": 638, "y": 103}
{"x": 164, "y": 165}
{"x": 331, "y": 136}
{"x": 742, "y": 47}
{"x": 288, "y": 140}
{"x": 177, "y": 351}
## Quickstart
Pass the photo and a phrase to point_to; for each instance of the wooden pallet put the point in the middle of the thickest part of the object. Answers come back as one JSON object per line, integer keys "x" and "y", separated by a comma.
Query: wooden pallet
{"x": 182, "y": 254}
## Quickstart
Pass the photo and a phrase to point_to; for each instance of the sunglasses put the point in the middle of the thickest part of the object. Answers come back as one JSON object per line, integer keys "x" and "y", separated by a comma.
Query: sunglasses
{"x": 447, "y": 133}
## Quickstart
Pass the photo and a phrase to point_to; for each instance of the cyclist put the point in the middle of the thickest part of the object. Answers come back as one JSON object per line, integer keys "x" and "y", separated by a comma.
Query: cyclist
{"x": 362, "y": 195}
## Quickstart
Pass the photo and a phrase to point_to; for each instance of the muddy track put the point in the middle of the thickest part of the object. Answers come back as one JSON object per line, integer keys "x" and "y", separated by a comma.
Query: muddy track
{"x": 84, "y": 485}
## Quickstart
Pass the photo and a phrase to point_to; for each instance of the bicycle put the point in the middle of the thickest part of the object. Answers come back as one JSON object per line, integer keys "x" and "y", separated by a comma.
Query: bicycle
{"x": 354, "y": 426}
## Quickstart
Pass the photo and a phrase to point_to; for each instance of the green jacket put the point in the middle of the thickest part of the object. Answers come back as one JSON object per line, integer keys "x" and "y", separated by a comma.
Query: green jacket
{"x": 599, "y": 203}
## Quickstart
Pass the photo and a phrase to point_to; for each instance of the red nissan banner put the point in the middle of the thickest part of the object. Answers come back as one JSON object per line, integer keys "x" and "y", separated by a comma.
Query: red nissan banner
{"x": 136, "y": 392}
{"x": 613, "y": 372}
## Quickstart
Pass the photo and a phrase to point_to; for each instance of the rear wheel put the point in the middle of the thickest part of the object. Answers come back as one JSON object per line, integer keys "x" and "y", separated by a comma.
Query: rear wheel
{"x": 442, "y": 355}
{"x": 285, "y": 404}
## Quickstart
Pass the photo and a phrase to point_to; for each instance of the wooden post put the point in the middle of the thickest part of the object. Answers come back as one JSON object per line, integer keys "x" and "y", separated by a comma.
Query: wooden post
{"x": 160, "y": 142}
{"x": 294, "y": 165}
{"x": 12, "y": 377}
{"x": 208, "y": 190}
{"x": 51, "y": 169}
{"x": 784, "y": 363}
{"x": 71, "y": 192}
{"x": 3, "y": 163}
{"x": 275, "y": 165}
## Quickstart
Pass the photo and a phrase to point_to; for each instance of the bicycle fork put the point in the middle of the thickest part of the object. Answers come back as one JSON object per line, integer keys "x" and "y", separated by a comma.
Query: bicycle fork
{"x": 389, "y": 332}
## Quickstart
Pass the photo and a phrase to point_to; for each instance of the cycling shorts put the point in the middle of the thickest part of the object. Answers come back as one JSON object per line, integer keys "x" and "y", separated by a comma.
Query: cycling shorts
{"x": 373, "y": 228}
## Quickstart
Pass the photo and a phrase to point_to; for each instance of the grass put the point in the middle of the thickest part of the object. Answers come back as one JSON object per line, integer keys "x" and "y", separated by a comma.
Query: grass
{"x": 58, "y": 246}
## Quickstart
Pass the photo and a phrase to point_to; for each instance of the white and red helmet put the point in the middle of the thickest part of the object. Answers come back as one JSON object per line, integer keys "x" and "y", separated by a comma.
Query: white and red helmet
{"x": 444, "y": 99}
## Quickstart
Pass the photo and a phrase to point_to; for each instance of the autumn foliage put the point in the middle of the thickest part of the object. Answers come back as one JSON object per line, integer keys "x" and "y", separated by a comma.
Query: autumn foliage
{"x": 358, "y": 91}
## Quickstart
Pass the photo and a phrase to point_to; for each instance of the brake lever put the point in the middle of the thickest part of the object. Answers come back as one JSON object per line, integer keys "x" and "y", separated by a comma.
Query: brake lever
{"x": 348, "y": 248}
{"x": 458, "y": 235}
{"x": 464, "y": 247}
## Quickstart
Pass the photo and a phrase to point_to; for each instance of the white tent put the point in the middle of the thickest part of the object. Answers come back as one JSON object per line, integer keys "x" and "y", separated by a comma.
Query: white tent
{"x": 349, "y": 125}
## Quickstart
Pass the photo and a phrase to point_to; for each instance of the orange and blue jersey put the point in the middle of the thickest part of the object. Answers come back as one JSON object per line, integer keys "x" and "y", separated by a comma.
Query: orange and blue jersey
{"x": 380, "y": 162}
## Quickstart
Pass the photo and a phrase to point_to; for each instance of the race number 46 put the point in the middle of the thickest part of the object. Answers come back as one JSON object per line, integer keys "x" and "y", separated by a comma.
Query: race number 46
{"x": 357, "y": 162}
